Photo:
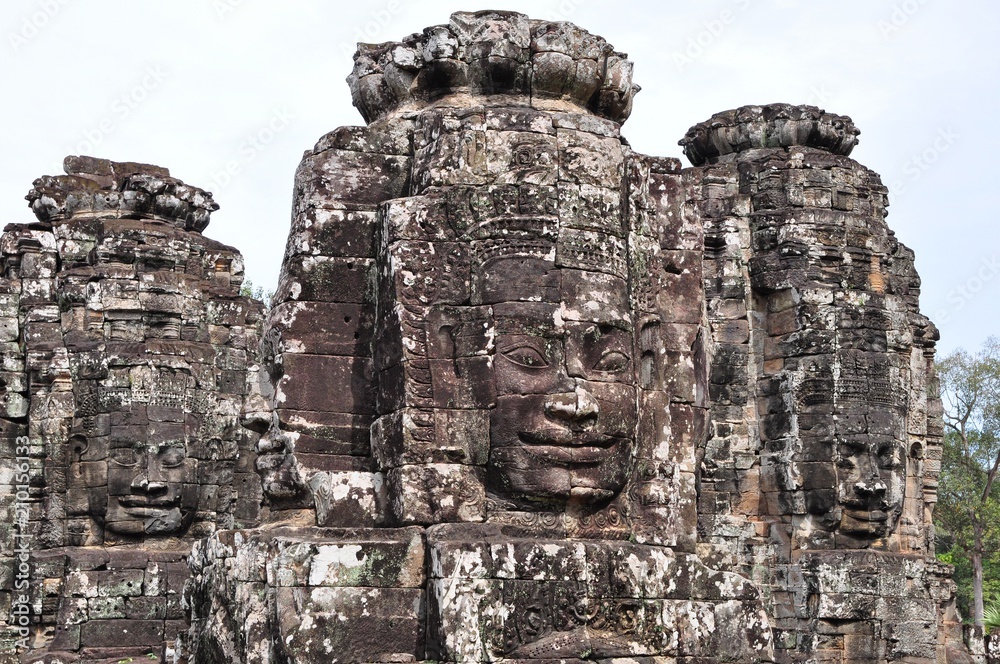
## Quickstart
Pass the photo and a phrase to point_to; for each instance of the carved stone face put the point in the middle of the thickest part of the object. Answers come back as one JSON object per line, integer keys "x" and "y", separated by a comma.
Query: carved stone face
{"x": 276, "y": 463}
{"x": 871, "y": 477}
{"x": 563, "y": 428}
{"x": 152, "y": 480}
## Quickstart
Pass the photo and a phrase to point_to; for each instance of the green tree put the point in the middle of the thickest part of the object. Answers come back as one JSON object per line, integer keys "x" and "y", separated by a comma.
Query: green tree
{"x": 992, "y": 617}
{"x": 968, "y": 493}
{"x": 256, "y": 292}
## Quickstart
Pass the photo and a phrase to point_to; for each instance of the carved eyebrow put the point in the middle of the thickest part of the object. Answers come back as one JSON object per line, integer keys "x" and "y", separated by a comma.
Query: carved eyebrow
{"x": 538, "y": 346}
{"x": 514, "y": 339}
{"x": 614, "y": 326}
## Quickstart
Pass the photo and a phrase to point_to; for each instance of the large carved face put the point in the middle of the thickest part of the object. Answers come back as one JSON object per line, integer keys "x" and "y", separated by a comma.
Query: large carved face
{"x": 152, "y": 479}
{"x": 871, "y": 476}
{"x": 564, "y": 423}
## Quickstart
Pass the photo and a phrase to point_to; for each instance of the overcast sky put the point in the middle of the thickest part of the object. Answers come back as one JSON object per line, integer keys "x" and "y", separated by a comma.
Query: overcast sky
{"x": 196, "y": 85}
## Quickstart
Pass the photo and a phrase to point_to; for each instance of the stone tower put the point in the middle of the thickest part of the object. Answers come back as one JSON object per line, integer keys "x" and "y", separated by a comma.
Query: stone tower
{"x": 819, "y": 473}
{"x": 522, "y": 393}
{"x": 517, "y": 354}
{"x": 125, "y": 356}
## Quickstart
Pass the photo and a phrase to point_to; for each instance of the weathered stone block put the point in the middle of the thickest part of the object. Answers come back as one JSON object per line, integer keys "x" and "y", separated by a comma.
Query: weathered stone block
{"x": 435, "y": 493}
{"x": 309, "y": 380}
{"x": 372, "y": 624}
{"x": 373, "y": 559}
{"x": 413, "y": 436}
{"x": 121, "y": 633}
{"x": 332, "y": 175}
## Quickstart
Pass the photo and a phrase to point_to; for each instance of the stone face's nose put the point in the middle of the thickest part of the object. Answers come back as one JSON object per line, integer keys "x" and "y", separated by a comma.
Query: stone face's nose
{"x": 871, "y": 488}
{"x": 578, "y": 409}
{"x": 870, "y": 484}
{"x": 257, "y": 415}
{"x": 142, "y": 484}
{"x": 275, "y": 440}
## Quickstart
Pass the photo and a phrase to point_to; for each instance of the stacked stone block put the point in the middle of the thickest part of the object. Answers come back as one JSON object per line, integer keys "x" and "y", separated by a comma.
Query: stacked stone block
{"x": 523, "y": 395}
{"x": 132, "y": 345}
{"x": 319, "y": 331}
{"x": 108, "y": 605}
{"x": 833, "y": 368}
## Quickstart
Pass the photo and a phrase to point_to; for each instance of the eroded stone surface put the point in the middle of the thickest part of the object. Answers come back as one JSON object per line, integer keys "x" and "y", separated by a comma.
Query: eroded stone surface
{"x": 523, "y": 393}
{"x": 583, "y": 345}
{"x": 125, "y": 378}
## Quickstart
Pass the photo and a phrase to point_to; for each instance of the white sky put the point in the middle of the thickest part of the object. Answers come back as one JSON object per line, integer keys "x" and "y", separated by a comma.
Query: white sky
{"x": 186, "y": 83}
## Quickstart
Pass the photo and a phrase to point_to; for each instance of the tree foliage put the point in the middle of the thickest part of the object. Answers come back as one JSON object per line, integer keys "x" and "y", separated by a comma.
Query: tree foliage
{"x": 968, "y": 508}
{"x": 951, "y": 552}
{"x": 248, "y": 289}
{"x": 992, "y": 620}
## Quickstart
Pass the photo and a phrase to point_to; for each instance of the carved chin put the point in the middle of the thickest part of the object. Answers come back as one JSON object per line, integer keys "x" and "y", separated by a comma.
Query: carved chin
{"x": 521, "y": 474}
{"x": 279, "y": 475}
{"x": 162, "y": 524}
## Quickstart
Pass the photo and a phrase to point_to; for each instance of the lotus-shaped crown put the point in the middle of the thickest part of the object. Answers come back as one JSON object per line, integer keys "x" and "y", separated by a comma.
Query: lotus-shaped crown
{"x": 495, "y": 57}
{"x": 102, "y": 188}
{"x": 770, "y": 126}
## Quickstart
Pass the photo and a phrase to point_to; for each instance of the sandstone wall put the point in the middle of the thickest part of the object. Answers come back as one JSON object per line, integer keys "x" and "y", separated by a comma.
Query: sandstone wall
{"x": 523, "y": 394}
{"x": 126, "y": 354}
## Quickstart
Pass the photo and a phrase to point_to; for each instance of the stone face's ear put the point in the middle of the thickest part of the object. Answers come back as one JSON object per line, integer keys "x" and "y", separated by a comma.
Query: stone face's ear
{"x": 78, "y": 446}
{"x": 648, "y": 345}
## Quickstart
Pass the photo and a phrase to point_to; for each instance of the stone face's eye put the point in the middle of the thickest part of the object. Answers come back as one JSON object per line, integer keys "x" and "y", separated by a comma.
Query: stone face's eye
{"x": 171, "y": 457}
{"x": 526, "y": 356}
{"x": 124, "y": 456}
{"x": 612, "y": 360}
{"x": 889, "y": 457}
{"x": 849, "y": 453}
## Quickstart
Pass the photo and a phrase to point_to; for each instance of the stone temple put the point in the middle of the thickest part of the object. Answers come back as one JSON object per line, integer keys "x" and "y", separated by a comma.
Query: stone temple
{"x": 522, "y": 394}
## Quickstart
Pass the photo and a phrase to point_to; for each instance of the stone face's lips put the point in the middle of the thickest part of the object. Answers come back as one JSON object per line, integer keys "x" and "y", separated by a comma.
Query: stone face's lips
{"x": 567, "y": 447}
{"x": 140, "y": 503}
{"x": 867, "y": 515}
{"x": 570, "y": 455}
{"x": 146, "y": 512}
{"x": 566, "y": 438}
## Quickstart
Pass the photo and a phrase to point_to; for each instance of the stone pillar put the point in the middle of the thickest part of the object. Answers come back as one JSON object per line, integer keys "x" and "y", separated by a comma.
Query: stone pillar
{"x": 533, "y": 365}
{"x": 826, "y": 413}
{"x": 993, "y": 647}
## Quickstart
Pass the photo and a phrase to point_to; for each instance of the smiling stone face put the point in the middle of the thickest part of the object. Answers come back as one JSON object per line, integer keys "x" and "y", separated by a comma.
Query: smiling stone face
{"x": 563, "y": 428}
{"x": 871, "y": 476}
{"x": 152, "y": 480}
